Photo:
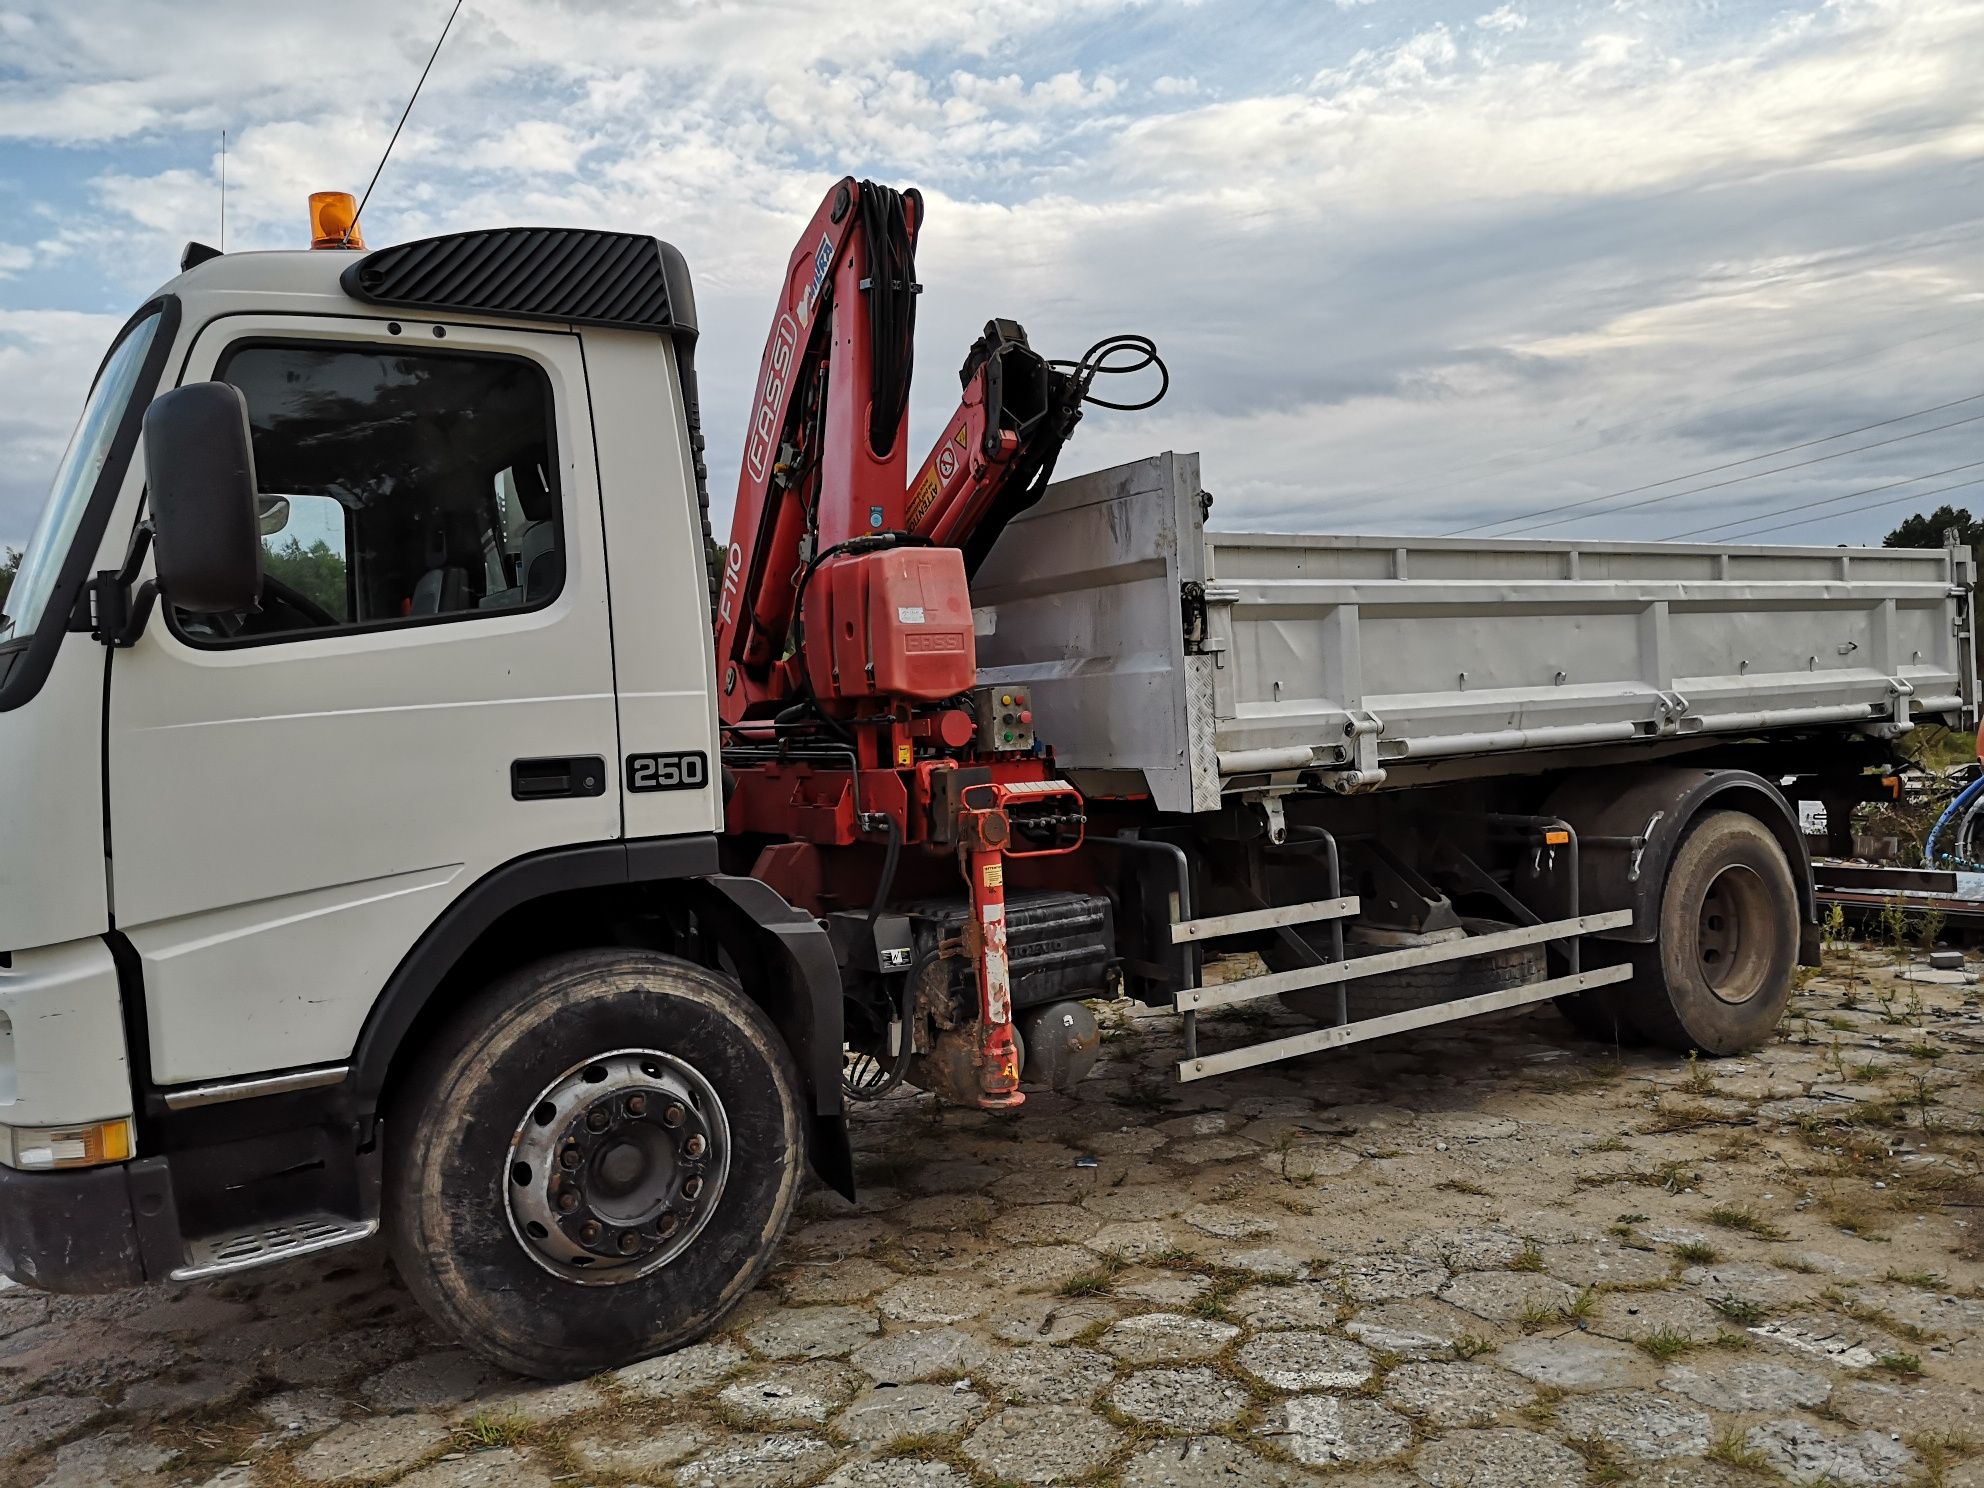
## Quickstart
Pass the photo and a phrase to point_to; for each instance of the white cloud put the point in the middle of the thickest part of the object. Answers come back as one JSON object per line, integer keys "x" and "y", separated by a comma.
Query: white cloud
{"x": 1504, "y": 18}
{"x": 47, "y": 358}
{"x": 1402, "y": 270}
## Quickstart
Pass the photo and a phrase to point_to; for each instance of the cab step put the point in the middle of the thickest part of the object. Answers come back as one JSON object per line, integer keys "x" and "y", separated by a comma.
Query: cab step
{"x": 218, "y": 1255}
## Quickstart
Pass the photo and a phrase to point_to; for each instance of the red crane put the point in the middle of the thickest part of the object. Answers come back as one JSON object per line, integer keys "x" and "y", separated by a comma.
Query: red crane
{"x": 854, "y": 730}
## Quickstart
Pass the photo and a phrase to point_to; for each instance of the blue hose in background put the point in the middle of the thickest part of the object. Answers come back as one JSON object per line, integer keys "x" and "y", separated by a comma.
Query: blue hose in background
{"x": 1964, "y": 798}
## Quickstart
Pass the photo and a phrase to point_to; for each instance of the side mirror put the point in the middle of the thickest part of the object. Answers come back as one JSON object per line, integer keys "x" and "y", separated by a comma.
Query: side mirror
{"x": 200, "y": 470}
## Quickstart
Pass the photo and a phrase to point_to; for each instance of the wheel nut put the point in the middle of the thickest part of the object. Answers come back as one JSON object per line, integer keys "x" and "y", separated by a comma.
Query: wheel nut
{"x": 569, "y": 1158}
{"x": 695, "y": 1146}
{"x": 567, "y": 1202}
{"x": 598, "y": 1120}
{"x": 589, "y": 1231}
{"x": 637, "y": 1105}
{"x": 667, "y": 1225}
{"x": 629, "y": 1242}
{"x": 673, "y": 1116}
{"x": 692, "y": 1188}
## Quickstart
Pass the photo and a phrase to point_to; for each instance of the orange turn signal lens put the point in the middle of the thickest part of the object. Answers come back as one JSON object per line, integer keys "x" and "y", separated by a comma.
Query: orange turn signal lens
{"x": 334, "y": 220}
{"x": 1556, "y": 837}
{"x": 67, "y": 1147}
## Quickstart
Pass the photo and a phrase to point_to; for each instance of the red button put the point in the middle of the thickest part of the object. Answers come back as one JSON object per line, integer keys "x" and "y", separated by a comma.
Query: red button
{"x": 1026, "y": 717}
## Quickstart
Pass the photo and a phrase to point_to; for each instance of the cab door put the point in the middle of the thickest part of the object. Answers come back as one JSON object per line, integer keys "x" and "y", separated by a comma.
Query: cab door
{"x": 425, "y": 693}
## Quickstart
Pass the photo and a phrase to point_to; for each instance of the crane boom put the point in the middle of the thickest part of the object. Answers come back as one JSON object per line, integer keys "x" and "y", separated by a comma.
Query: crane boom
{"x": 853, "y": 724}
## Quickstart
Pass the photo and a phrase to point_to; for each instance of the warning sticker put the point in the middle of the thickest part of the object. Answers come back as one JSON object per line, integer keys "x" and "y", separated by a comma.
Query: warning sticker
{"x": 995, "y": 875}
{"x": 922, "y": 499}
{"x": 951, "y": 456}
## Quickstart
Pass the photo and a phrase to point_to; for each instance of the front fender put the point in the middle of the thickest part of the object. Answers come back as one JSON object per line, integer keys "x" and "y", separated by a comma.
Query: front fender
{"x": 809, "y": 1013}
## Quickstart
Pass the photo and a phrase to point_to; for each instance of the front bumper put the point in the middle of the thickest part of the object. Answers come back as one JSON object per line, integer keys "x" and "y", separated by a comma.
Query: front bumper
{"x": 73, "y": 1231}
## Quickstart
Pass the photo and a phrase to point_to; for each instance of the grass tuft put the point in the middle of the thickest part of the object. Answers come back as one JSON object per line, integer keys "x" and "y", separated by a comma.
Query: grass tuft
{"x": 1738, "y": 1310}
{"x": 1537, "y": 1315}
{"x": 1734, "y": 1450}
{"x": 1941, "y": 1450}
{"x": 1601, "y": 1461}
{"x": 1748, "y": 1221}
{"x": 1224, "y": 1286}
{"x": 487, "y": 1429}
{"x": 1665, "y": 1344}
{"x": 1699, "y": 1081}
{"x": 1096, "y": 1282}
{"x": 1928, "y": 1281}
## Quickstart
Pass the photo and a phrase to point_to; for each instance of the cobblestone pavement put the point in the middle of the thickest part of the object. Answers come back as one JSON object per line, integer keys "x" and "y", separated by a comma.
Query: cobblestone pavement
{"x": 1493, "y": 1254}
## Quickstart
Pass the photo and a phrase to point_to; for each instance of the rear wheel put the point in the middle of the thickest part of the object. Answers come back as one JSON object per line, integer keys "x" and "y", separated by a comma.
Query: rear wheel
{"x": 594, "y": 1161}
{"x": 1718, "y": 974}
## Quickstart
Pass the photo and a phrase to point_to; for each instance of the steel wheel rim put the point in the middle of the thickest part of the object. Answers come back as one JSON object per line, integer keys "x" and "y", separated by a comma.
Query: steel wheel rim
{"x": 1732, "y": 942}
{"x": 616, "y": 1167}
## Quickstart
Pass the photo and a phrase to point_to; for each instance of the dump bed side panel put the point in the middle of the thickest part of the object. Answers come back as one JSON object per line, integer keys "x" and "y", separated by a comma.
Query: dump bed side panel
{"x": 1464, "y": 647}
{"x": 1080, "y": 601}
{"x": 1354, "y": 655}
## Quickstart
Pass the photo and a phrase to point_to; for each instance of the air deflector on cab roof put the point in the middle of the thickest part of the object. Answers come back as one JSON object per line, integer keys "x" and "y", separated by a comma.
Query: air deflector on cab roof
{"x": 576, "y": 275}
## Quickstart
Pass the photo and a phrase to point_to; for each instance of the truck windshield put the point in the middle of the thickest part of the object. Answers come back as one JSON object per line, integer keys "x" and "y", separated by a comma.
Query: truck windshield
{"x": 75, "y": 479}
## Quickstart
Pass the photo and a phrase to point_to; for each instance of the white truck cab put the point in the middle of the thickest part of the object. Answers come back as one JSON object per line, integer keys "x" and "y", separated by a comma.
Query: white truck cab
{"x": 243, "y": 851}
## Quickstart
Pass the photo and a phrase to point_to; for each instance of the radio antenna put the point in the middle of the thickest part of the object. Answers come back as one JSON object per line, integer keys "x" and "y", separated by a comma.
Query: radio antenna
{"x": 355, "y": 216}
{"x": 223, "y": 191}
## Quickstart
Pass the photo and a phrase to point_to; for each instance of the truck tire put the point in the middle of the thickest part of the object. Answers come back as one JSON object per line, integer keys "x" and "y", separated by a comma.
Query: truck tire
{"x": 1718, "y": 974}
{"x": 593, "y": 1161}
{"x": 1415, "y": 987}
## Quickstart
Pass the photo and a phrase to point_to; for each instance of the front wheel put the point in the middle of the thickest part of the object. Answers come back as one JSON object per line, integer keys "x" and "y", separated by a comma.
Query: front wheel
{"x": 1718, "y": 976}
{"x": 594, "y": 1161}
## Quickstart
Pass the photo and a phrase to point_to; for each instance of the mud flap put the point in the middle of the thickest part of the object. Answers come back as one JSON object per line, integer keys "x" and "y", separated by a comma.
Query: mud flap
{"x": 812, "y": 1024}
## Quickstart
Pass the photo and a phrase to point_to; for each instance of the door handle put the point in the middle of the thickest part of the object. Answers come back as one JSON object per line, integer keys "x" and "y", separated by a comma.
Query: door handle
{"x": 557, "y": 778}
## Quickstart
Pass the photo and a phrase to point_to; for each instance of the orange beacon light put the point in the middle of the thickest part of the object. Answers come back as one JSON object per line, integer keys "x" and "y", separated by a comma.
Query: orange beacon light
{"x": 334, "y": 220}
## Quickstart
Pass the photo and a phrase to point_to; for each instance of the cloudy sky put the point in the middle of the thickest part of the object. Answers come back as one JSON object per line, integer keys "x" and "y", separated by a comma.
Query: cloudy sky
{"x": 1416, "y": 266}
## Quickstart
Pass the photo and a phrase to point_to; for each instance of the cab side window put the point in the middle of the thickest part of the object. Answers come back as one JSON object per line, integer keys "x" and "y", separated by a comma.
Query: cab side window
{"x": 397, "y": 487}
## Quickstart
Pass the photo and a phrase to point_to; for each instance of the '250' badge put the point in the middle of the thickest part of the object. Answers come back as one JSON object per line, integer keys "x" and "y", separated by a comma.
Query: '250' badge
{"x": 689, "y": 770}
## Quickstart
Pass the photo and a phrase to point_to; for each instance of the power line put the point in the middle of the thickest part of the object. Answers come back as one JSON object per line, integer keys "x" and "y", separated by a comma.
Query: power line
{"x": 1737, "y": 480}
{"x": 1837, "y": 267}
{"x": 1873, "y": 506}
{"x": 1714, "y": 469}
{"x": 1825, "y": 501}
{"x": 1858, "y": 361}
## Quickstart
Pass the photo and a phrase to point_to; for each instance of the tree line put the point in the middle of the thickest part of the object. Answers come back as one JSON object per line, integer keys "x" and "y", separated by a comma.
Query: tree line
{"x": 1925, "y": 530}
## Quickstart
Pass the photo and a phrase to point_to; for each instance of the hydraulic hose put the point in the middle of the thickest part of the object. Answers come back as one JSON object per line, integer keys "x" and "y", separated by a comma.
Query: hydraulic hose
{"x": 1964, "y": 853}
{"x": 1964, "y": 799}
{"x": 889, "y": 220}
